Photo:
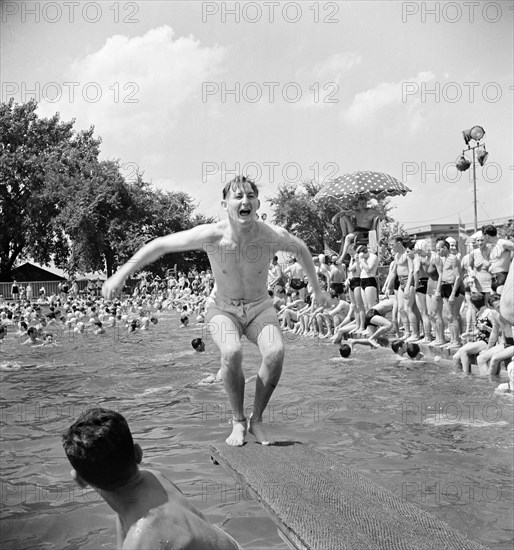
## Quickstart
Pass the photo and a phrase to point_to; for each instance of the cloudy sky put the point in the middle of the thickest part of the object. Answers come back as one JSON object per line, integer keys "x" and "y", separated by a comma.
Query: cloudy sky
{"x": 191, "y": 92}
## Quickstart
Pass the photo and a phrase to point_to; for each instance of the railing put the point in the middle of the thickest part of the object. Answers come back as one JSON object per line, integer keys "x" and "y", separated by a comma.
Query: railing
{"x": 51, "y": 287}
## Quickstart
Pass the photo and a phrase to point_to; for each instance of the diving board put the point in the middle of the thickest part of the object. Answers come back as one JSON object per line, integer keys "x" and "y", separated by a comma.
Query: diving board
{"x": 319, "y": 503}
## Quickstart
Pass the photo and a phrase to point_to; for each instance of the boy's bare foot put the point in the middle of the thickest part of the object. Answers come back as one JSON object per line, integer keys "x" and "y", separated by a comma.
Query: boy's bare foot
{"x": 256, "y": 428}
{"x": 237, "y": 437}
{"x": 374, "y": 343}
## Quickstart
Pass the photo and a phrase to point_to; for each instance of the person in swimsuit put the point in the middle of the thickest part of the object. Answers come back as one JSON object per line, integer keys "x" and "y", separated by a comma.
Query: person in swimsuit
{"x": 356, "y": 224}
{"x": 152, "y": 512}
{"x": 355, "y": 290}
{"x": 15, "y": 291}
{"x": 376, "y": 323}
{"x": 368, "y": 263}
{"x": 337, "y": 276}
{"x": 449, "y": 285}
{"x": 480, "y": 266}
{"x": 500, "y": 346}
{"x": 421, "y": 262}
{"x": 500, "y": 254}
{"x": 507, "y": 297}
{"x": 297, "y": 274}
{"x": 484, "y": 325}
{"x": 240, "y": 250}
{"x": 404, "y": 261}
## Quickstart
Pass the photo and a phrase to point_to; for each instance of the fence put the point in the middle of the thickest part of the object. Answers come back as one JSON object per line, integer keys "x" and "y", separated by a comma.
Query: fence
{"x": 51, "y": 287}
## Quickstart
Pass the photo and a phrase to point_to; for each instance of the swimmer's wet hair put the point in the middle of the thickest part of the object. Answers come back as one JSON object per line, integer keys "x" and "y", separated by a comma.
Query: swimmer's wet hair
{"x": 196, "y": 343}
{"x": 237, "y": 183}
{"x": 100, "y": 448}
{"x": 413, "y": 349}
{"x": 345, "y": 350}
{"x": 396, "y": 345}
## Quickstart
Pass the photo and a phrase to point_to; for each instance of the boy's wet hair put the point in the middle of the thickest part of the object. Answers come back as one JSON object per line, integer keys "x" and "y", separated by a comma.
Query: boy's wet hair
{"x": 413, "y": 349}
{"x": 237, "y": 183}
{"x": 196, "y": 343}
{"x": 345, "y": 350}
{"x": 396, "y": 345}
{"x": 100, "y": 448}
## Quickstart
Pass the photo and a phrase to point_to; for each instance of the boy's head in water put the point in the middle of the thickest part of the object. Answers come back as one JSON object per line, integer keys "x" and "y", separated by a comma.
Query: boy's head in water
{"x": 414, "y": 351}
{"x": 198, "y": 344}
{"x": 345, "y": 350}
{"x": 101, "y": 450}
{"x": 398, "y": 346}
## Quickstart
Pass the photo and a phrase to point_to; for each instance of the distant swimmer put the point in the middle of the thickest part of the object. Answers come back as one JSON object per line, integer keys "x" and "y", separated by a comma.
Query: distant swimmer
{"x": 198, "y": 344}
{"x": 33, "y": 338}
{"x": 240, "y": 250}
{"x": 151, "y": 511}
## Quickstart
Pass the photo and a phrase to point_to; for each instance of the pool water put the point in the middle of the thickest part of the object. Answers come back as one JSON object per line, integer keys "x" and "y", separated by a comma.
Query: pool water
{"x": 437, "y": 438}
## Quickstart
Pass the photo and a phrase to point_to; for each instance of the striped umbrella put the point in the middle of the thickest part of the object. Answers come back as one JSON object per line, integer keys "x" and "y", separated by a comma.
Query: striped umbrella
{"x": 370, "y": 184}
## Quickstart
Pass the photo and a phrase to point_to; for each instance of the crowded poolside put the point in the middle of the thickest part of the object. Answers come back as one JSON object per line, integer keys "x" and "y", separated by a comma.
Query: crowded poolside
{"x": 344, "y": 336}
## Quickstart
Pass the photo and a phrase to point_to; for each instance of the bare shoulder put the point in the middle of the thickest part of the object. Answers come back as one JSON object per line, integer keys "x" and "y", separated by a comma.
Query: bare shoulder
{"x": 174, "y": 527}
{"x": 280, "y": 236}
{"x": 159, "y": 529}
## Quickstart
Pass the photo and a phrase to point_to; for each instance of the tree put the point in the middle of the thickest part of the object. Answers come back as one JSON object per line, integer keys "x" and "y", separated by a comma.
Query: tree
{"x": 295, "y": 208}
{"x": 60, "y": 203}
{"x": 30, "y": 147}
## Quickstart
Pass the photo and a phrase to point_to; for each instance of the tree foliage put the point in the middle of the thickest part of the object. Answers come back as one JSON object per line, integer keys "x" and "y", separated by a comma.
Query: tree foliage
{"x": 296, "y": 209}
{"x": 59, "y": 203}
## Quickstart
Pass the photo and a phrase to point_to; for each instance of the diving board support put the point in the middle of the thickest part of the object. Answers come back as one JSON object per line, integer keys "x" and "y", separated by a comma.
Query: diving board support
{"x": 319, "y": 503}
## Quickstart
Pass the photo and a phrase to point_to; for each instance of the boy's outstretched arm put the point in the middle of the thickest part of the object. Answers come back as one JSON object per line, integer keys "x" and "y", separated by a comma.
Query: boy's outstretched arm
{"x": 192, "y": 239}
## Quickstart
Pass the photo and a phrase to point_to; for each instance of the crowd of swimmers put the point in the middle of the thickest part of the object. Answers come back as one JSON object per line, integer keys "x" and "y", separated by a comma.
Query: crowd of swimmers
{"x": 440, "y": 297}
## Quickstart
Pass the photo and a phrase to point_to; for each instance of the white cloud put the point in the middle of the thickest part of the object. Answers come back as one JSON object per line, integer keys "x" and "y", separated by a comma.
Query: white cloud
{"x": 367, "y": 105}
{"x": 322, "y": 82}
{"x": 334, "y": 67}
{"x": 144, "y": 82}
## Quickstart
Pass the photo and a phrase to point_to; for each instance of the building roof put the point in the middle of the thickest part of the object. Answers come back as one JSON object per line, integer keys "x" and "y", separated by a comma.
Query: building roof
{"x": 32, "y": 272}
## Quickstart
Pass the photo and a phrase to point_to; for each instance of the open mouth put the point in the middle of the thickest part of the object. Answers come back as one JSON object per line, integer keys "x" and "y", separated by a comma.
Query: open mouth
{"x": 245, "y": 212}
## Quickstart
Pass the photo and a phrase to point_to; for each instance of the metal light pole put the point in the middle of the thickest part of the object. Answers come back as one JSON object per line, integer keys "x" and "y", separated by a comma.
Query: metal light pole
{"x": 476, "y": 134}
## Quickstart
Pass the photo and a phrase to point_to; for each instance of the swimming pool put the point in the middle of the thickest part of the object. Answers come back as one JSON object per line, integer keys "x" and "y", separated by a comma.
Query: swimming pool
{"x": 439, "y": 439}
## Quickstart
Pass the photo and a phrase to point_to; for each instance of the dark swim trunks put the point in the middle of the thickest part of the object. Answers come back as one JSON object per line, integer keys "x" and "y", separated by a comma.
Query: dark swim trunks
{"x": 355, "y": 282}
{"x": 361, "y": 235}
{"x": 369, "y": 315}
{"x": 446, "y": 290}
{"x": 422, "y": 285}
{"x": 337, "y": 287}
{"x": 369, "y": 281}
{"x": 509, "y": 341}
{"x": 297, "y": 284}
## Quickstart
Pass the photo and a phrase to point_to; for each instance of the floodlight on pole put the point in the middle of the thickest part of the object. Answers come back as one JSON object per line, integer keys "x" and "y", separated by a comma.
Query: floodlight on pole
{"x": 476, "y": 133}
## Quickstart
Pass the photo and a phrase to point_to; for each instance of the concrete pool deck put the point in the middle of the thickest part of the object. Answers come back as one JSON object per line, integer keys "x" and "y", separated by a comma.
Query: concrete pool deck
{"x": 319, "y": 503}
